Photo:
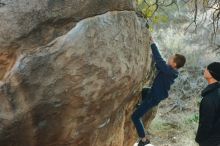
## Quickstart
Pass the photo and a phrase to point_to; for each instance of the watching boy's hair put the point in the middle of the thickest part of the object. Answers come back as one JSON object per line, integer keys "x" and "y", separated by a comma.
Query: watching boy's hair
{"x": 180, "y": 60}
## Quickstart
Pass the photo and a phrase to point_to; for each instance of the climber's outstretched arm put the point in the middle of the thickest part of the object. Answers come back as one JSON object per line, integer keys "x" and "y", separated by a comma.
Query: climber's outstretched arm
{"x": 160, "y": 62}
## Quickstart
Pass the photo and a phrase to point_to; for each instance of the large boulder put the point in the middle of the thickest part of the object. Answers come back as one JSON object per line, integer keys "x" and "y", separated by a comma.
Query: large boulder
{"x": 81, "y": 88}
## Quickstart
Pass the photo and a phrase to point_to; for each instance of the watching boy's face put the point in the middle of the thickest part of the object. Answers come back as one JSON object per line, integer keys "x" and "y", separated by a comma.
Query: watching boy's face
{"x": 207, "y": 74}
{"x": 171, "y": 62}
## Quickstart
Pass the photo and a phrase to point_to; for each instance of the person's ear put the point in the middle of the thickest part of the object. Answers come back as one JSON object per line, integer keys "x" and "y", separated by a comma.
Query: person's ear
{"x": 175, "y": 65}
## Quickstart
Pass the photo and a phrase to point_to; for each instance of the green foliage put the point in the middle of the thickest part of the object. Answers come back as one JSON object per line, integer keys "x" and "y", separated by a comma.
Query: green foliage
{"x": 205, "y": 3}
{"x": 150, "y": 10}
{"x": 192, "y": 119}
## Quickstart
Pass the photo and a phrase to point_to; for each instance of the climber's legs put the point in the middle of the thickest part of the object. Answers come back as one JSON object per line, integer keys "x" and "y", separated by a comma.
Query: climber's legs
{"x": 144, "y": 107}
{"x": 145, "y": 93}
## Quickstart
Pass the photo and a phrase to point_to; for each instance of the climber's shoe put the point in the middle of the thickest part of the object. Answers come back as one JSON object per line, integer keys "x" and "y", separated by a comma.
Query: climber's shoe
{"x": 143, "y": 143}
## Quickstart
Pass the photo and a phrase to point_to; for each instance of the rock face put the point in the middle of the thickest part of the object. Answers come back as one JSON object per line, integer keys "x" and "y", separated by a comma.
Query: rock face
{"x": 81, "y": 88}
{"x": 39, "y": 21}
{"x": 28, "y": 24}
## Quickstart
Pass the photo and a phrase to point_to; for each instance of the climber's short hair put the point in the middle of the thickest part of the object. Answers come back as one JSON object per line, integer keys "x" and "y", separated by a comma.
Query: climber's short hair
{"x": 180, "y": 60}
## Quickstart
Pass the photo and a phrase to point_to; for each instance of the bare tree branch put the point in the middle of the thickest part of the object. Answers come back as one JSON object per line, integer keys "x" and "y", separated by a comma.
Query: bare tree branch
{"x": 196, "y": 7}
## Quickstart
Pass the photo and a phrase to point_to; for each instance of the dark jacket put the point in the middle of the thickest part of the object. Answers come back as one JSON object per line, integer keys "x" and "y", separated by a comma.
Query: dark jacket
{"x": 165, "y": 77}
{"x": 209, "y": 119}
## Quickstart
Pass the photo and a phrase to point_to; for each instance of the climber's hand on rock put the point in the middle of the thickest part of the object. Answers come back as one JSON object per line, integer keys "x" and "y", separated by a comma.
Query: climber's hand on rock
{"x": 151, "y": 40}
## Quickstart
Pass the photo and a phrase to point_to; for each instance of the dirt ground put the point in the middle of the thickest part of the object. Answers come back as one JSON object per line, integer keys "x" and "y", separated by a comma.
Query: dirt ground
{"x": 176, "y": 123}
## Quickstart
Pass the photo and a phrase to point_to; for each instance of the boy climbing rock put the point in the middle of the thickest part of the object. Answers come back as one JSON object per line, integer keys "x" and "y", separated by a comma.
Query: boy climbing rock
{"x": 167, "y": 73}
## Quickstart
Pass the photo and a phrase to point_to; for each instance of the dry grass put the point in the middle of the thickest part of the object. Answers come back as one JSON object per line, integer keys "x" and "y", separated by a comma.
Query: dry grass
{"x": 175, "y": 128}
